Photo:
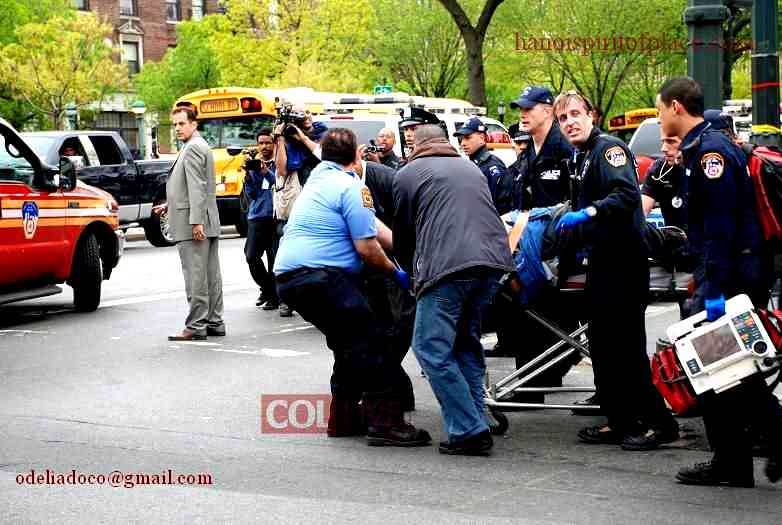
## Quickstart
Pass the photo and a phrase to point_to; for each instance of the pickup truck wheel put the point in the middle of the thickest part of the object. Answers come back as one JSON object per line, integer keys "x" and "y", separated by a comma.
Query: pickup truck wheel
{"x": 157, "y": 230}
{"x": 241, "y": 225}
{"x": 86, "y": 275}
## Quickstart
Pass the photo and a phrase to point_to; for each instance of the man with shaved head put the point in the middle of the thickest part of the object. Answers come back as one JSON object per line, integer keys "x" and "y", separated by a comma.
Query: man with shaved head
{"x": 387, "y": 157}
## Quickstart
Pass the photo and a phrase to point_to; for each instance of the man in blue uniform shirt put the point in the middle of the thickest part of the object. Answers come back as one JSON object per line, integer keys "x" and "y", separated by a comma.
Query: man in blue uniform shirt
{"x": 725, "y": 238}
{"x": 331, "y": 232}
{"x": 472, "y": 137}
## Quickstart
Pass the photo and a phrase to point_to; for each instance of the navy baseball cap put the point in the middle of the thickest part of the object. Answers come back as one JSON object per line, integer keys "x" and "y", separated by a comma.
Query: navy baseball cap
{"x": 533, "y": 95}
{"x": 718, "y": 119}
{"x": 471, "y": 126}
{"x": 521, "y": 136}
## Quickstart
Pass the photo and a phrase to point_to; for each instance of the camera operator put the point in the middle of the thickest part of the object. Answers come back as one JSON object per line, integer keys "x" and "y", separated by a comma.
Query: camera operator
{"x": 296, "y": 139}
{"x": 383, "y": 152}
{"x": 258, "y": 187}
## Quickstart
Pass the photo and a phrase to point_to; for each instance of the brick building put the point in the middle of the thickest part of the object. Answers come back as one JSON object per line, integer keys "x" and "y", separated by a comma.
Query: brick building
{"x": 143, "y": 30}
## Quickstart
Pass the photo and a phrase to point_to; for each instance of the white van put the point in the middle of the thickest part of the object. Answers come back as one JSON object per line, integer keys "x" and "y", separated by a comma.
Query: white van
{"x": 367, "y": 125}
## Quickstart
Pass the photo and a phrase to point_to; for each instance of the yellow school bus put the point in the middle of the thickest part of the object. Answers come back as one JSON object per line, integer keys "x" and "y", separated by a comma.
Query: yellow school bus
{"x": 230, "y": 116}
{"x": 624, "y": 125}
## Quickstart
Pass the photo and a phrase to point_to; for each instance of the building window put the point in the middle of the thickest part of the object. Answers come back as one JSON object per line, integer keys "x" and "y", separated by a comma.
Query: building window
{"x": 128, "y": 8}
{"x": 173, "y": 13}
{"x": 130, "y": 55}
{"x": 81, "y": 5}
{"x": 198, "y": 9}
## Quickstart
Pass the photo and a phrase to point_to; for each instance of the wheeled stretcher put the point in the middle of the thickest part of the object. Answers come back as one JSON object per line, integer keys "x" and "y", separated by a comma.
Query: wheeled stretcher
{"x": 568, "y": 342}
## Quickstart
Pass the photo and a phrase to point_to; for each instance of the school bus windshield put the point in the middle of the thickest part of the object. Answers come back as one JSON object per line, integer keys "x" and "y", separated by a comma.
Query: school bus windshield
{"x": 237, "y": 131}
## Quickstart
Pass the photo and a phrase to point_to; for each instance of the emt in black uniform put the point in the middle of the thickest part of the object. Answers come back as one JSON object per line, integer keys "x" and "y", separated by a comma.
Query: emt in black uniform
{"x": 725, "y": 237}
{"x": 608, "y": 204}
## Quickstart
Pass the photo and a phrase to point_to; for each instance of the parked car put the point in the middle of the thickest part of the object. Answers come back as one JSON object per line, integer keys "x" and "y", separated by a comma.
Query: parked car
{"x": 107, "y": 163}
{"x": 53, "y": 227}
{"x": 645, "y": 145}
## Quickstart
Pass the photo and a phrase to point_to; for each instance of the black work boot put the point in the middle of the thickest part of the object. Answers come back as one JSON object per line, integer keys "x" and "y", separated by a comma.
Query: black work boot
{"x": 714, "y": 473}
{"x": 346, "y": 418}
{"x": 387, "y": 426}
{"x": 477, "y": 445}
{"x": 774, "y": 469}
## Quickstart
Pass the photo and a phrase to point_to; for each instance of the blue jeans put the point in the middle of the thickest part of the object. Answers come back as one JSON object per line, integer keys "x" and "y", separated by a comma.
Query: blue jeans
{"x": 447, "y": 343}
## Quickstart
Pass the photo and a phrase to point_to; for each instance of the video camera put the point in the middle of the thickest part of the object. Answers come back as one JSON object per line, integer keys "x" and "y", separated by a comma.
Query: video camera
{"x": 286, "y": 115}
{"x": 251, "y": 162}
{"x": 373, "y": 147}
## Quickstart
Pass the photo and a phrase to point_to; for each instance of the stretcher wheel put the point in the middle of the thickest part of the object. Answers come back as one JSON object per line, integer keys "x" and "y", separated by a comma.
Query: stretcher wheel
{"x": 498, "y": 422}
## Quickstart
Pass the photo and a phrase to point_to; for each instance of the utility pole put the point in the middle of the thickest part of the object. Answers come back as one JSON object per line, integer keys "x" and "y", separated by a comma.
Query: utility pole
{"x": 704, "y": 19}
{"x": 765, "y": 73}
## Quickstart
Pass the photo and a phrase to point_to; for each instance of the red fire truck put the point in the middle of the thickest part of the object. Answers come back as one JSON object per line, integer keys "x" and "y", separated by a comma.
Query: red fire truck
{"x": 53, "y": 228}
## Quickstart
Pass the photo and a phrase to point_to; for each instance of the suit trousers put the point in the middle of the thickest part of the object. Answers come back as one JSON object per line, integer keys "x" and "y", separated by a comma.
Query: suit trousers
{"x": 203, "y": 283}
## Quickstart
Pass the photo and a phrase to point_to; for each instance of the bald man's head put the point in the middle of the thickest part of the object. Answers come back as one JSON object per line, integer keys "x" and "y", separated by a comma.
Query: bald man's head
{"x": 386, "y": 139}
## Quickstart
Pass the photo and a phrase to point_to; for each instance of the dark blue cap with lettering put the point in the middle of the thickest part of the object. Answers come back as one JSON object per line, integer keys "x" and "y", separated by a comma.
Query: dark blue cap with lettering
{"x": 718, "y": 119}
{"x": 533, "y": 95}
{"x": 471, "y": 126}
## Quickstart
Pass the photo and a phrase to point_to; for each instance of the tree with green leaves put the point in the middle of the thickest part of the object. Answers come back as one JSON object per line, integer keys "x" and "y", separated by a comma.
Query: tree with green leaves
{"x": 16, "y": 13}
{"x": 62, "y": 61}
{"x": 473, "y": 36}
{"x": 421, "y": 52}
{"x": 190, "y": 66}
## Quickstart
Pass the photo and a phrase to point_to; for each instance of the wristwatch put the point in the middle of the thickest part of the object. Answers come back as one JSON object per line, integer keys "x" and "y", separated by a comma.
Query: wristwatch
{"x": 591, "y": 211}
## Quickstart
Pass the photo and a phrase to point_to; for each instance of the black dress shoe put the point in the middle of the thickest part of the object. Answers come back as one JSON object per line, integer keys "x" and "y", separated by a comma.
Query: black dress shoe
{"x": 271, "y": 304}
{"x": 187, "y": 335}
{"x": 478, "y": 445}
{"x": 217, "y": 331}
{"x": 774, "y": 469}
{"x": 650, "y": 440}
{"x": 262, "y": 299}
{"x": 404, "y": 435}
{"x": 713, "y": 473}
{"x": 590, "y": 401}
{"x": 600, "y": 435}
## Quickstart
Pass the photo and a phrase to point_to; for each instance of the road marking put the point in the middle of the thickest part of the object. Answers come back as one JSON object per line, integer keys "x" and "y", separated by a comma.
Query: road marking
{"x": 268, "y": 352}
{"x": 20, "y": 333}
{"x": 287, "y": 330}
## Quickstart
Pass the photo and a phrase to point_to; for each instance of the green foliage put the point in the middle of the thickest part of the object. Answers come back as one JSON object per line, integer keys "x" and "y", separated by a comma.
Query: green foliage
{"x": 190, "y": 66}
{"x": 15, "y": 13}
{"x": 63, "y": 60}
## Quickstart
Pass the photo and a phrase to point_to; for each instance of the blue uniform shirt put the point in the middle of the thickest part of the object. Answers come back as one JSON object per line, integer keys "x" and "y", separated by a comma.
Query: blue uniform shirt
{"x": 722, "y": 217}
{"x": 332, "y": 211}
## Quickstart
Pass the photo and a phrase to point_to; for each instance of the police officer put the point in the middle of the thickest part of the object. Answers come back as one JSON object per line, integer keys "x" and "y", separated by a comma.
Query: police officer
{"x": 543, "y": 179}
{"x": 472, "y": 137}
{"x": 725, "y": 237}
{"x": 331, "y": 230}
{"x": 394, "y": 307}
{"x": 607, "y": 206}
{"x": 411, "y": 119}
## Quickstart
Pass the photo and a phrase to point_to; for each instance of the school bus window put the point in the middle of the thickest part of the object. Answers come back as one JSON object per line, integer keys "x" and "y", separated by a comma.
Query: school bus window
{"x": 223, "y": 132}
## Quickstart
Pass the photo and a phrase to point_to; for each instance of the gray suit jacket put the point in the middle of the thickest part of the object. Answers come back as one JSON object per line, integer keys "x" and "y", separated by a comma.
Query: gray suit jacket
{"x": 190, "y": 191}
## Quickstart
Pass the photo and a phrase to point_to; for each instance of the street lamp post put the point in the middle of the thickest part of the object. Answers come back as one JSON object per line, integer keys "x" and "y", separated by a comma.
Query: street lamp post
{"x": 138, "y": 108}
{"x": 501, "y": 111}
{"x": 72, "y": 114}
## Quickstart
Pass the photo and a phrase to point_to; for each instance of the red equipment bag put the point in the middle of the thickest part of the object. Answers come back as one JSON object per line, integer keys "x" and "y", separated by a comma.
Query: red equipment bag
{"x": 772, "y": 322}
{"x": 765, "y": 170}
{"x": 671, "y": 381}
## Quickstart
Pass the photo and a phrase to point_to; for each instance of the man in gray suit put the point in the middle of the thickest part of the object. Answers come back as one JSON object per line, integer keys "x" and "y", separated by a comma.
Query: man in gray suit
{"x": 195, "y": 225}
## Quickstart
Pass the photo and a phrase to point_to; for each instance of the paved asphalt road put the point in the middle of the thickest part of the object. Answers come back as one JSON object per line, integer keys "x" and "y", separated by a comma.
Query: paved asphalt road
{"x": 106, "y": 391}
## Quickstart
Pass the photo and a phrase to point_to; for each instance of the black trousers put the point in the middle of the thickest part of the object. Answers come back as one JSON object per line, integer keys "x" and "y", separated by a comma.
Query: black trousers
{"x": 617, "y": 291}
{"x": 727, "y": 416}
{"x": 394, "y": 309}
{"x": 261, "y": 235}
{"x": 334, "y": 302}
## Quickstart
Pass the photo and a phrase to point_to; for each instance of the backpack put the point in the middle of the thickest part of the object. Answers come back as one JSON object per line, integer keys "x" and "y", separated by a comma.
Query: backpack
{"x": 765, "y": 170}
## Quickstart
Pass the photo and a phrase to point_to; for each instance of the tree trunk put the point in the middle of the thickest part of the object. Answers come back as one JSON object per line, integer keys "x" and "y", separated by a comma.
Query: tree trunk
{"x": 475, "y": 74}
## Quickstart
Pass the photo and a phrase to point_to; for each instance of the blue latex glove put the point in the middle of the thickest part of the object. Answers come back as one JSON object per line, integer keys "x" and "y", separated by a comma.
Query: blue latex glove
{"x": 715, "y": 308}
{"x": 572, "y": 219}
{"x": 402, "y": 279}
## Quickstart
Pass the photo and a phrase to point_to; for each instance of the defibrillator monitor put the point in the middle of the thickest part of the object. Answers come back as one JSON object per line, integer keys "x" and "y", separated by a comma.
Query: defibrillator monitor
{"x": 718, "y": 355}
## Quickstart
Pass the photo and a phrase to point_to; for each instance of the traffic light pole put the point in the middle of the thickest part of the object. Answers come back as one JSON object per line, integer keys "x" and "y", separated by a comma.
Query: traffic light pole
{"x": 704, "y": 19}
{"x": 765, "y": 73}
